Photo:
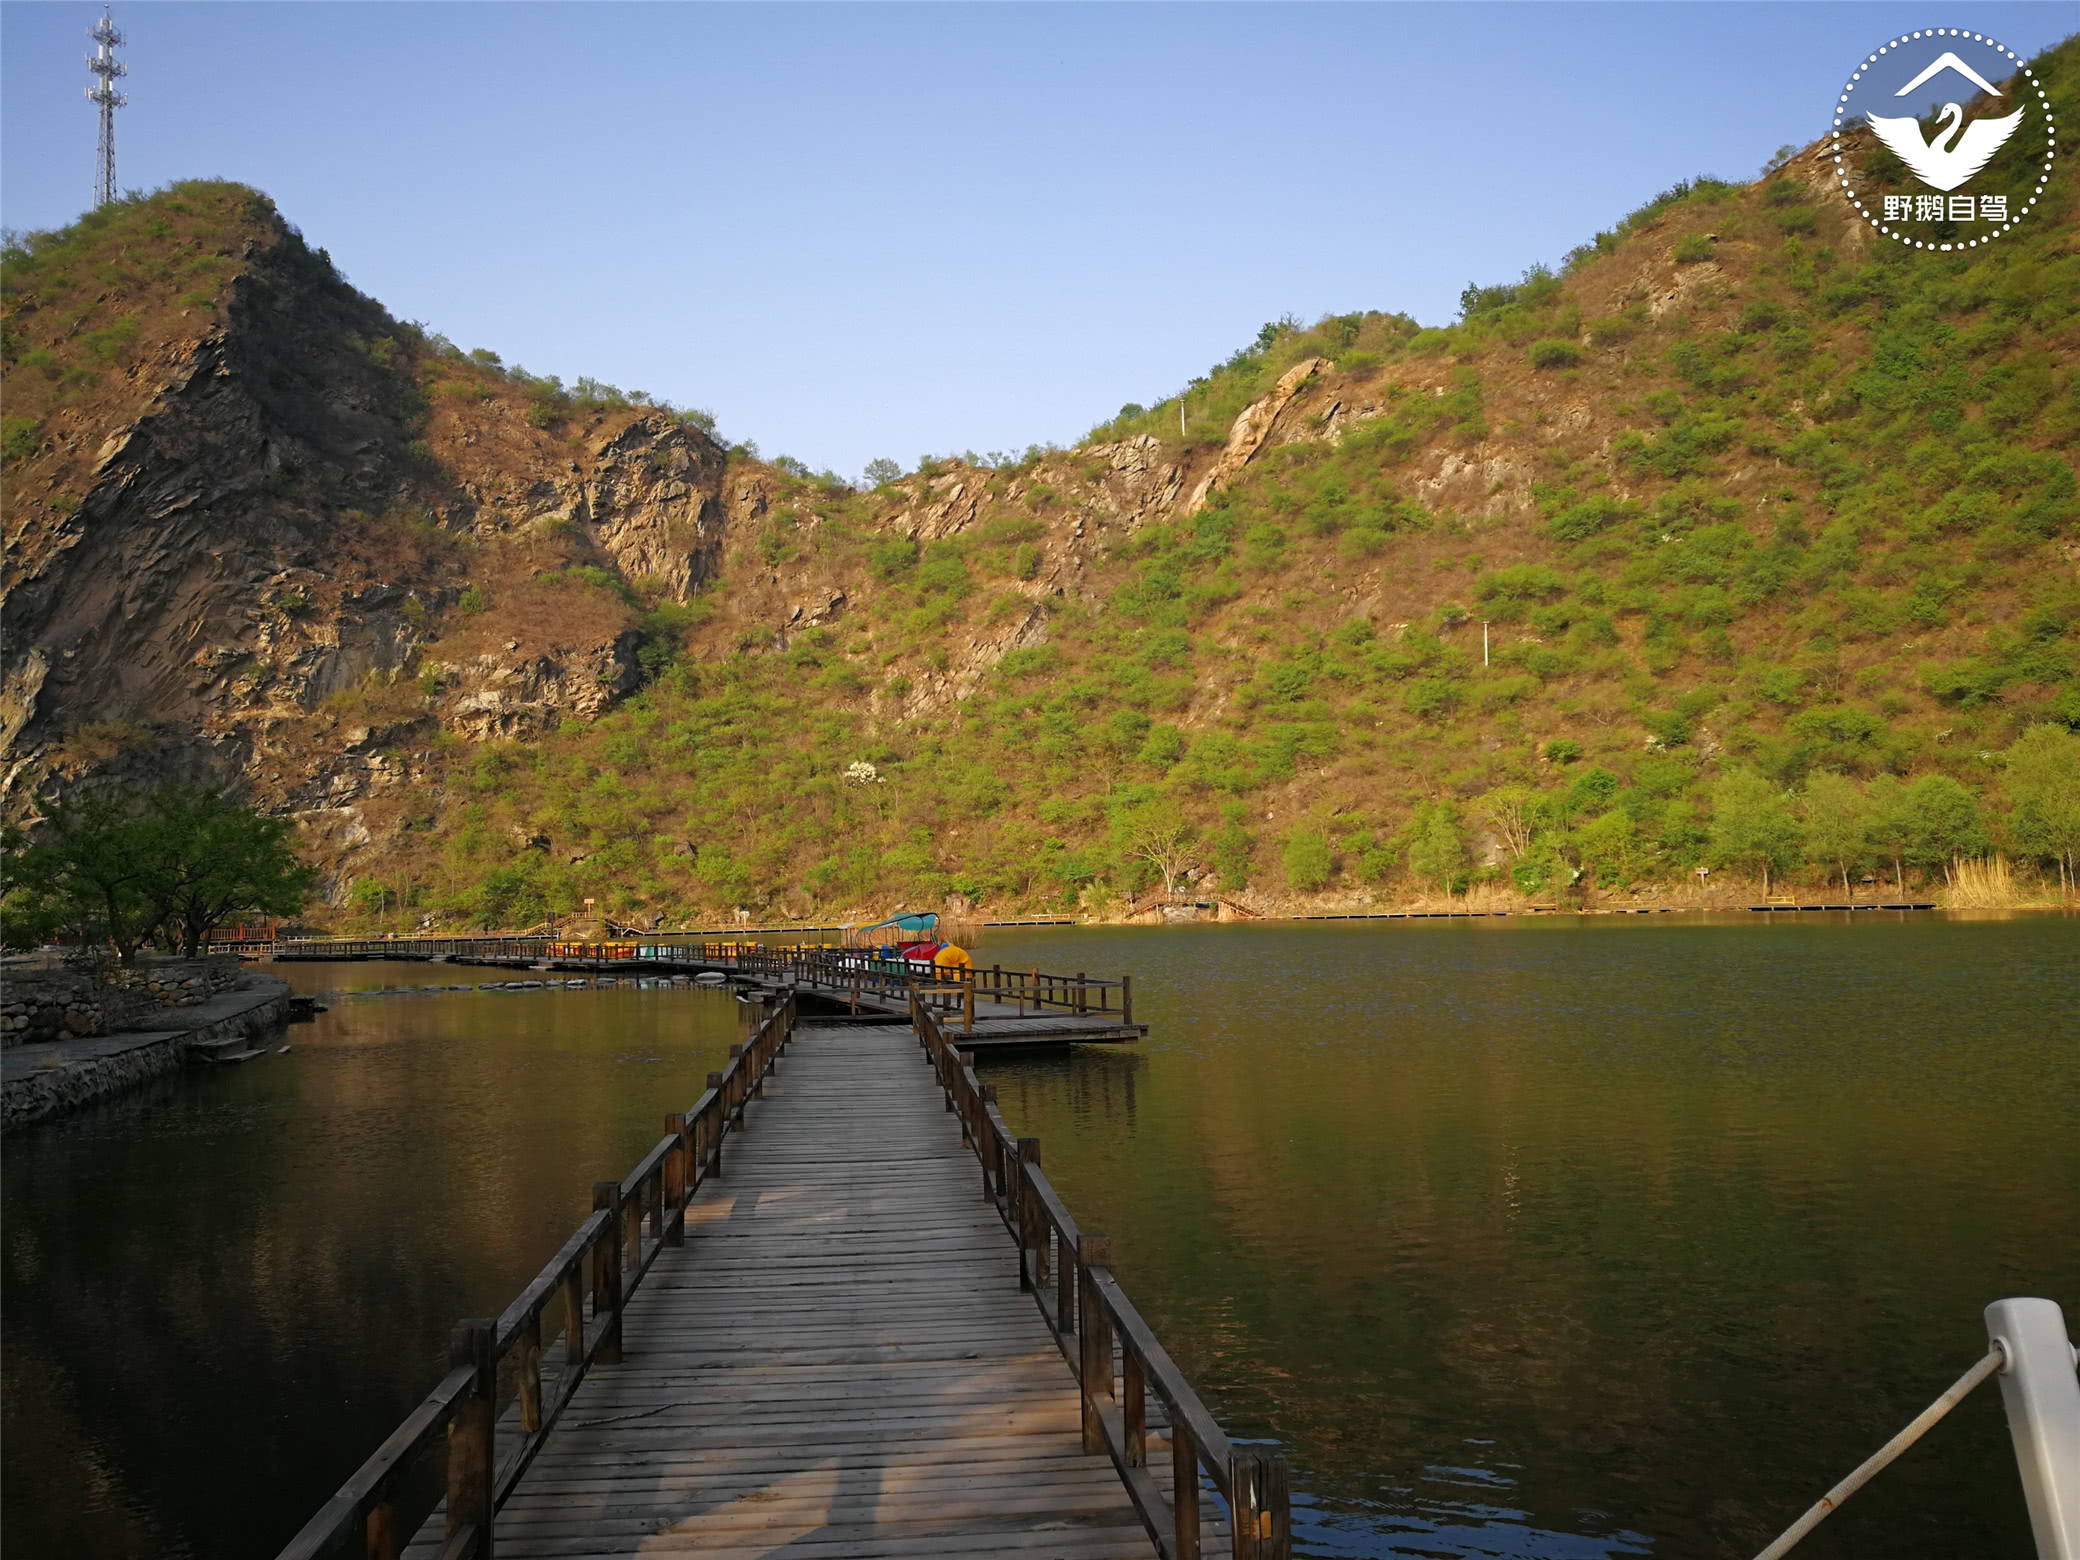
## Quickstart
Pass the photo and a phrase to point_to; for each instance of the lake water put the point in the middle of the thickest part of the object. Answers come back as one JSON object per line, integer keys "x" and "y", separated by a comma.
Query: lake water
{"x": 1522, "y": 1238}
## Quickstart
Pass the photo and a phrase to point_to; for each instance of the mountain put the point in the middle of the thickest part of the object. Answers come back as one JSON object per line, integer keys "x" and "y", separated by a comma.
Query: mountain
{"x": 1742, "y": 523}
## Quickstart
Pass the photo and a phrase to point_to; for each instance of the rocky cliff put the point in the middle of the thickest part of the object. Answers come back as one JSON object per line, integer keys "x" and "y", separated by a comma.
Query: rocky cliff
{"x": 237, "y": 519}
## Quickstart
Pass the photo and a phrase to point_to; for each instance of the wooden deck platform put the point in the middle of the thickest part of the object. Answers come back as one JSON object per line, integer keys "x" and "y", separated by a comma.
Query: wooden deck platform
{"x": 839, "y": 1361}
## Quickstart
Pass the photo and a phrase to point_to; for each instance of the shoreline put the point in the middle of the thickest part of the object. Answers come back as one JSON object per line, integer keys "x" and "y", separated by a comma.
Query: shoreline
{"x": 43, "y": 1080}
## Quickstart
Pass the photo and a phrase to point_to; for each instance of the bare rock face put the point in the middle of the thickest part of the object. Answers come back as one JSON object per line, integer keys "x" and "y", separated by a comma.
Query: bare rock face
{"x": 1253, "y": 429}
{"x": 654, "y": 503}
{"x": 164, "y": 597}
{"x": 501, "y": 700}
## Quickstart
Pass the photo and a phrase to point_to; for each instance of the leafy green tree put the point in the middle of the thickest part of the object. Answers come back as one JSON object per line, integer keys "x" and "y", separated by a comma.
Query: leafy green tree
{"x": 223, "y": 861}
{"x": 1511, "y": 811}
{"x": 1837, "y": 817}
{"x": 1889, "y": 832}
{"x": 1941, "y": 822}
{"x": 2043, "y": 784}
{"x": 111, "y": 867}
{"x": 881, "y": 471}
{"x": 1158, "y": 833}
{"x": 1609, "y": 847}
{"x": 1752, "y": 825}
{"x": 94, "y": 870}
{"x": 1436, "y": 848}
{"x": 1232, "y": 847}
{"x": 1307, "y": 860}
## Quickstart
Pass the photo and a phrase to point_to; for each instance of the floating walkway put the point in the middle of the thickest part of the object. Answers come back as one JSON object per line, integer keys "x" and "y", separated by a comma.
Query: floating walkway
{"x": 838, "y": 1311}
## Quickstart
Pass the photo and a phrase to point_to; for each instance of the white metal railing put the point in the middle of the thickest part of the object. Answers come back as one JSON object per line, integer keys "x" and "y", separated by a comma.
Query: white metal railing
{"x": 2039, "y": 1372}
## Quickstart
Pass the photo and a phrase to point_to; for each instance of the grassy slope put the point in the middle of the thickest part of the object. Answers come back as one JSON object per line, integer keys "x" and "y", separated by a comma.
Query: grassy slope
{"x": 1818, "y": 517}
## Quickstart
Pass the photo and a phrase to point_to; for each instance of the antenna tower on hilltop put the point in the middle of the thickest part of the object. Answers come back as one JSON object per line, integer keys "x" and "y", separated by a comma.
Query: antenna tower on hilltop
{"x": 103, "y": 63}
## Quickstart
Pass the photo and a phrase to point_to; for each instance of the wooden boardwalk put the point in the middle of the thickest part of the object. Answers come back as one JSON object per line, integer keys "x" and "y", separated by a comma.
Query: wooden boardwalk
{"x": 839, "y": 1361}
{"x": 994, "y": 1008}
{"x": 837, "y": 1311}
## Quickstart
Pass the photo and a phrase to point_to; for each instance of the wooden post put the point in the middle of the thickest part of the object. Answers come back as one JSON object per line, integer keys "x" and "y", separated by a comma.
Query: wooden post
{"x": 1275, "y": 1523}
{"x": 715, "y": 1120}
{"x": 968, "y": 1009}
{"x": 1246, "y": 1505}
{"x": 606, "y": 1294}
{"x": 735, "y": 1104}
{"x": 1126, "y": 999}
{"x": 1094, "y": 1339}
{"x": 1134, "y": 1411}
{"x": 992, "y": 1166}
{"x": 1065, "y": 1289}
{"x": 1030, "y": 1251}
{"x": 1261, "y": 1507}
{"x": 1082, "y": 1001}
{"x": 527, "y": 1373}
{"x": 1184, "y": 1492}
{"x": 469, "y": 1433}
{"x": 381, "y": 1531}
{"x": 675, "y": 1183}
{"x": 574, "y": 1314}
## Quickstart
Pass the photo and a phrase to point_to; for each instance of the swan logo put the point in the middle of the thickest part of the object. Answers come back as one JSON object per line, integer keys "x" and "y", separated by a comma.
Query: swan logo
{"x": 1976, "y": 100}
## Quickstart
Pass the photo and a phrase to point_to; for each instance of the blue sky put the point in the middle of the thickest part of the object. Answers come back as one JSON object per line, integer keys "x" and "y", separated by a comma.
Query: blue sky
{"x": 865, "y": 230}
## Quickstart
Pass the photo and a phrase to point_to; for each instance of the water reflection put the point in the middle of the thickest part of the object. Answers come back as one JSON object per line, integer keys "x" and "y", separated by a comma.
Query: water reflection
{"x": 1523, "y": 1239}
{"x": 222, "y": 1292}
{"x": 1573, "y": 1238}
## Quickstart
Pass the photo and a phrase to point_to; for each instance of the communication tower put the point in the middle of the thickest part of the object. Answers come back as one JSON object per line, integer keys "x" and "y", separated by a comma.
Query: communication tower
{"x": 104, "y": 64}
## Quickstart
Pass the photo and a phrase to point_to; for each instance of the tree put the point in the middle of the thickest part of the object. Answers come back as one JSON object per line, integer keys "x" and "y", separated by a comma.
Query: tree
{"x": 222, "y": 861}
{"x": 1158, "y": 833}
{"x": 1609, "y": 847}
{"x": 1752, "y": 825}
{"x": 111, "y": 868}
{"x": 2043, "y": 784}
{"x": 1511, "y": 811}
{"x": 1436, "y": 849}
{"x": 1888, "y": 829}
{"x": 1941, "y": 821}
{"x": 1232, "y": 847}
{"x": 1837, "y": 818}
{"x": 881, "y": 471}
{"x": 1307, "y": 859}
{"x": 98, "y": 872}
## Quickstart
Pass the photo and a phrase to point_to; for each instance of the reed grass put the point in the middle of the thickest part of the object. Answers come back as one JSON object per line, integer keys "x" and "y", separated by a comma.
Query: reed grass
{"x": 1981, "y": 883}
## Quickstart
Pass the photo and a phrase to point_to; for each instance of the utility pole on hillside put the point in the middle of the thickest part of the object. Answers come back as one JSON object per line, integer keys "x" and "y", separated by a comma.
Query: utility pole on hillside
{"x": 104, "y": 64}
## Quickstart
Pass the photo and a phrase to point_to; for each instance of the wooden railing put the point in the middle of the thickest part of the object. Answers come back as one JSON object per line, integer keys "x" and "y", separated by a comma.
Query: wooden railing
{"x": 588, "y": 1283}
{"x": 1069, "y": 1271}
{"x": 949, "y": 986}
{"x": 835, "y": 971}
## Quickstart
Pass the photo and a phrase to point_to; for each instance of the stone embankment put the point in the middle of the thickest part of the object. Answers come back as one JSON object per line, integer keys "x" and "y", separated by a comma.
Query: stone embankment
{"x": 51, "y": 1004}
{"x": 42, "y": 1080}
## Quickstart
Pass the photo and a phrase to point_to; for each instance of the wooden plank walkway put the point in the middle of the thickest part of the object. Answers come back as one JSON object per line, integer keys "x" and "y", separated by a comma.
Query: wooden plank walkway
{"x": 839, "y": 1361}
{"x": 994, "y": 1009}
